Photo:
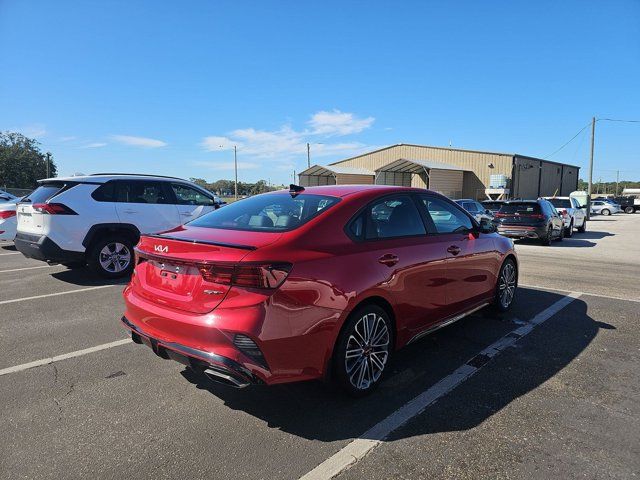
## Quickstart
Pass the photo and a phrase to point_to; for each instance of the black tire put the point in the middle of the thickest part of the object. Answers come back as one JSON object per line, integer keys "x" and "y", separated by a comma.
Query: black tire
{"x": 561, "y": 236}
{"x": 583, "y": 228}
{"x": 629, "y": 210}
{"x": 123, "y": 251}
{"x": 498, "y": 303}
{"x": 605, "y": 211}
{"x": 568, "y": 232}
{"x": 546, "y": 240}
{"x": 347, "y": 371}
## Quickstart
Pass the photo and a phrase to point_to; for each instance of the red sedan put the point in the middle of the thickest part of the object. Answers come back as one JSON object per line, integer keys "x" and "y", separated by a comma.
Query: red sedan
{"x": 316, "y": 282}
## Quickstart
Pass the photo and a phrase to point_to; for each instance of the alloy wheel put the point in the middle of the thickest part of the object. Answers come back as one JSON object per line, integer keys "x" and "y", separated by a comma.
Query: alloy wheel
{"x": 507, "y": 284}
{"x": 114, "y": 257}
{"x": 367, "y": 351}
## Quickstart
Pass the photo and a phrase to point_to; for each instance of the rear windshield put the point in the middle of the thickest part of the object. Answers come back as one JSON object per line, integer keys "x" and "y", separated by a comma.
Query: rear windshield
{"x": 267, "y": 213}
{"x": 560, "y": 202}
{"x": 520, "y": 208}
{"x": 44, "y": 192}
{"x": 492, "y": 205}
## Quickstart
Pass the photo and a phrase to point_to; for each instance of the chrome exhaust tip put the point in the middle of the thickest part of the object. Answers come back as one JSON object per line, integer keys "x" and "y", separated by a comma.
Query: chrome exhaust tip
{"x": 225, "y": 378}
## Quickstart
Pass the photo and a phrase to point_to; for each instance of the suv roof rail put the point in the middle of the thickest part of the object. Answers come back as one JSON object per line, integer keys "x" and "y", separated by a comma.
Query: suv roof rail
{"x": 138, "y": 175}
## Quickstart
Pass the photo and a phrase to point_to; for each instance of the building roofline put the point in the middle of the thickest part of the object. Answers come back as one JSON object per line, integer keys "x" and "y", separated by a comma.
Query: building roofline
{"x": 512, "y": 155}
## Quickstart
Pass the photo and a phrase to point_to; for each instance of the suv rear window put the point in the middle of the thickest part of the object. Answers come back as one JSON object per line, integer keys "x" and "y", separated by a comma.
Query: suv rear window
{"x": 520, "y": 208}
{"x": 267, "y": 213}
{"x": 44, "y": 192}
{"x": 560, "y": 202}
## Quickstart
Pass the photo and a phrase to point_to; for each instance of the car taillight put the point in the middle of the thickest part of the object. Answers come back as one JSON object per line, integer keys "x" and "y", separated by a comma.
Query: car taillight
{"x": 250, "y": 275}
{"x": 53, "y": 209}
{"x": 534, "y": 215}
{"x": 500, "y": 215}
{"x": 7, "y": 214}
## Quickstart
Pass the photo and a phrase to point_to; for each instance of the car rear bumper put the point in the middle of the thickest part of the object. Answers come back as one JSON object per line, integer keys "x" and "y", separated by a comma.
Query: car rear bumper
{"x": 216, "y": 367}
{"x": 41, "y": 247}
{"x": 517, "y": 231}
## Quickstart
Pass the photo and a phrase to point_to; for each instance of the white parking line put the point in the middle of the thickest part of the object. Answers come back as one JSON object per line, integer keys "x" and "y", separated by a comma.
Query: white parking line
{"x": 25, "y": 268}
{"x": 10, "y": 253}
{"x": 24, "y": 299}
{"x": 551, "y": 289}
{"x": 373, "y": 437}
{"x": 77, "y": 353}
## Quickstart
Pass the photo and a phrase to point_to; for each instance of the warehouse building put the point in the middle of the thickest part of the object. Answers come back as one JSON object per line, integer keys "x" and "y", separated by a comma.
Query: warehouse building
{"x": 453, "y": 172}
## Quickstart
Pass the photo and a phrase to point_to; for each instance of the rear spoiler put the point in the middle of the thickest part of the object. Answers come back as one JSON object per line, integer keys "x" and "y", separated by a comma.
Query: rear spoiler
{"x": 204, "y": 242}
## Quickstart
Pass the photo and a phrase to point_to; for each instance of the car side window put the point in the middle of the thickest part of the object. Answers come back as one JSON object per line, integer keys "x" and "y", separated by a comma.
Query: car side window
{"x": 391, "y": 217}
{"x": 105, "y": 192}
{"x": 187, "y": 195}
{"x": 140, "y": 191}
{"x": 470, "y": 207}
{"x": 446, "y": 217}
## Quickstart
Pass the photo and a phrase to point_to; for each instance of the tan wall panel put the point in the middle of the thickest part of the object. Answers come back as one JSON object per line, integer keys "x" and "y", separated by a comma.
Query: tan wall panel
{"x": 350, "y": 179}
{"x": 447, "y": 182}
{"x": 315, "y": 180}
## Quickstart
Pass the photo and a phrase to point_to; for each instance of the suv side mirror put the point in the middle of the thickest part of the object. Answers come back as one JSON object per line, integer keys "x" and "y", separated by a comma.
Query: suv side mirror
{"x": 486, "y": 226}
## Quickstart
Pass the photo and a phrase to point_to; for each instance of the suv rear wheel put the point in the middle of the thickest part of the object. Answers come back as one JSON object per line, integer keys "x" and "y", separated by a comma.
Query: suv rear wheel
{"x": 363, "y": 349}
{"x": 583, "y": 228}
{"x": 568, "y": 232}
{"x": 111, "y": 256}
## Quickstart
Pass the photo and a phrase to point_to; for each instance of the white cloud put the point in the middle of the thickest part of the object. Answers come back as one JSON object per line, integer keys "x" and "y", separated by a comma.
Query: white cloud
{"x": 35, "y": 130}
{"x": 139, "y": 141}
{"x": 68, "y": 139}
{"x": 338, "y": 123}
{"x": 227, "y": 165}
{"x": 286, "y": 144}
{"x": 94, "y": 145}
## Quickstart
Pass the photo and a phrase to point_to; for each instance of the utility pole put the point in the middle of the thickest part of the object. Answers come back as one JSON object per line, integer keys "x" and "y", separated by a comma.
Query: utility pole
{"x": 308, "y": 155}
{"x": 48, "y": 162}
{"x": 617, "y": 182}
{"x": 235, "y": 165}
{"x": 593, "y": 139}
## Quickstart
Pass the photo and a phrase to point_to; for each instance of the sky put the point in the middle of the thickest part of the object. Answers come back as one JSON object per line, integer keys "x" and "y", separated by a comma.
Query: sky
{"x": 169, "y": 87}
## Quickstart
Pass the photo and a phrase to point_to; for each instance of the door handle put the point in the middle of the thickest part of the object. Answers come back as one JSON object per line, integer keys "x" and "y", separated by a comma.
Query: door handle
{"x": 453, "y": 250}
{"x": 388, "y": 259}
{"x": 130, "y": 211}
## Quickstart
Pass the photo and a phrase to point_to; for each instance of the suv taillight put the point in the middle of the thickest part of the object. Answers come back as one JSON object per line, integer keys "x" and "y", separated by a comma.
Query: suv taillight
{"x": 53, "y": 209}
{"x": 7, "y": 214}
{"x": 263, "y": 276}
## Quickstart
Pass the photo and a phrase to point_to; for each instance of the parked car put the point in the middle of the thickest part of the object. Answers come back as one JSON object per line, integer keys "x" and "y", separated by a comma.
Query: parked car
{"x": 603, "y": 207}
{"x": 492, "y": 205}
{"x": 479, "y": 211}
{"x": 312, "y": 283}
{"x": 97, "y": 219}
{"x": 7, "y": 197}
{"x": 8, "y": 220}
{"x": 536, "y": 219}
{"x": 572, "y": 215}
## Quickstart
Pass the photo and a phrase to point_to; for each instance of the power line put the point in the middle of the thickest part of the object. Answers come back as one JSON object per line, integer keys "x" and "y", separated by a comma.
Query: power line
{"x": 617, "y": 120}
{"x": 572, "y": 139}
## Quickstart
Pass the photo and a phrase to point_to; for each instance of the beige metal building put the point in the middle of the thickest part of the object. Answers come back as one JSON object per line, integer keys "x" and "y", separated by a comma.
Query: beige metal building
{"x": 454, "y": 172}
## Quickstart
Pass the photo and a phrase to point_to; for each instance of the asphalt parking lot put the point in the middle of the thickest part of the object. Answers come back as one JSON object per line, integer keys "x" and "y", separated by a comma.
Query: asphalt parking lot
{"x": 550, "y": 390}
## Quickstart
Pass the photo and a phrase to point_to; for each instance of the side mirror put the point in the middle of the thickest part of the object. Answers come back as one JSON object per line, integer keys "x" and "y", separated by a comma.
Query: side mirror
{"x": 487, "y": 226}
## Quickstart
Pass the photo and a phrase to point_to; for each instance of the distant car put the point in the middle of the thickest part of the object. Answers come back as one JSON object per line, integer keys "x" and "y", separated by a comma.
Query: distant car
{"x": 603, "y": 207}
{"x": 8, "y": 220}
{"x": 493, "y": 205}
{"x": 536, "y": 219}
{"x": 97, "y": 219}
{"x": 475, "y": 208}
{"x": 7, "y": 197}
{"x": 572, "y": 215}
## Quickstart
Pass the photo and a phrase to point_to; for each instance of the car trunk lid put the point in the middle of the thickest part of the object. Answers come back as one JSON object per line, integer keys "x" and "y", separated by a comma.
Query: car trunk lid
{"x": 170, "y": 266}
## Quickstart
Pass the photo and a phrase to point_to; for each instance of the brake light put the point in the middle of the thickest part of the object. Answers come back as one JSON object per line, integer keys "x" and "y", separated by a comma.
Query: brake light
{"x": 7, "y": 214}
{"x": 534, "y": 215}
{"x": 53, "y": 209}
{"x": 250, "y": 275}
{"x": 499, "y": 215}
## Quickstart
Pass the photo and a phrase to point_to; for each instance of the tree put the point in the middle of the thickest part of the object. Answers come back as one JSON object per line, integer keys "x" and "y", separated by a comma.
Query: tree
{"x": 22, "y": 163}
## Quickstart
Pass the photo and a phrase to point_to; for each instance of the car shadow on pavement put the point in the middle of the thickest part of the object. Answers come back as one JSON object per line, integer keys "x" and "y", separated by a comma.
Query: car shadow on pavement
{"x": 567, "y": 242}
{"x": 10, "y": 248}
{"x": 320, "y": 411}
{"x": 593, "y": 235}
{"x": 86, "y": 278}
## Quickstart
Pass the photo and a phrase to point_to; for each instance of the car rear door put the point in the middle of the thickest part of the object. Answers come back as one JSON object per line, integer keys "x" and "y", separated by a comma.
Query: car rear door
{"x": 471, "y": 257}
{"x": 147, "y": 204}
{"x": 191, "y": 202}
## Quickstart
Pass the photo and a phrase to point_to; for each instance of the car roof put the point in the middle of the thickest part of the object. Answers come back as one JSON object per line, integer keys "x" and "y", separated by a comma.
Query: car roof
{"x": 344, "y": 190}
{"x": 105, "y": 177}
{"x": 464, "y": 200}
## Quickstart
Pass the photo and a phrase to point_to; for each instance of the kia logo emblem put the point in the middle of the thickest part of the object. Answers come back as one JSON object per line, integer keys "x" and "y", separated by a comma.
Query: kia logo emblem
{"x": 161, "y": 248}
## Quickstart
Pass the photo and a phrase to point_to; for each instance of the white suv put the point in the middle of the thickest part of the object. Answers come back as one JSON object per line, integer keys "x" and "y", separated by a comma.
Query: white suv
{"x": 573, "y": 216}
{"x": 97, "y": 219}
